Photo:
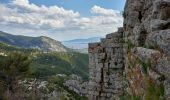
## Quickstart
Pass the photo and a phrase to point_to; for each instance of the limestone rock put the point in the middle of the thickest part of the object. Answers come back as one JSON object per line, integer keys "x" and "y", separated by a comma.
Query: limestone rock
{"x": 163, "y": 67}
{"x": 160, "y": 40}
{"x": 146, "y": 54}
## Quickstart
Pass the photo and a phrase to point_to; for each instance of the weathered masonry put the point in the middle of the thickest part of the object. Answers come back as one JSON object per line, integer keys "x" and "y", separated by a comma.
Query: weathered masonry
{"x": 106, "y": 67}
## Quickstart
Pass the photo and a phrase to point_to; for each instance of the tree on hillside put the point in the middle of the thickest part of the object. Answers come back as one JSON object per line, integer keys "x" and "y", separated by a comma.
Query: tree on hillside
{"x": 13, "y": 68}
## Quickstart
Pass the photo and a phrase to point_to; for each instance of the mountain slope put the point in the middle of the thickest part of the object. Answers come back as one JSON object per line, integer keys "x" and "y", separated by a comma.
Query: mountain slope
{"x": 48, "y": 64}
{"x": 41, "y": 43}
{"x": 44, "y": 65}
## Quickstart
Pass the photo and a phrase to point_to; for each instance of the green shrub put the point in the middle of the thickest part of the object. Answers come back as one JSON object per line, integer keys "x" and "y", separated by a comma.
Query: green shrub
{"x": 155, "y": 92}
{"x": 130, "y": 45}
{"x": 130, "y": 97}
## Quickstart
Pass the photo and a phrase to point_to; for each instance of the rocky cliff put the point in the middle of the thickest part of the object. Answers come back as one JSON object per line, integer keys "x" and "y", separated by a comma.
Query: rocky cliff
{"x": 135, "y": 61}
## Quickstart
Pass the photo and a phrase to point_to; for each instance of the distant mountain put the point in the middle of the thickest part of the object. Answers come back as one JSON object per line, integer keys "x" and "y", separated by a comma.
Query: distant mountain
{"x": 80, "y": 43}
{"x": 88, "y": 40}
{"x": 42, "y": 43}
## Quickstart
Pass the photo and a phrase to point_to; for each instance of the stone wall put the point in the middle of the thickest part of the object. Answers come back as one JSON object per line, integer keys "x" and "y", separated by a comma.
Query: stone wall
{"x": 106, "y": 67}
{"x": 134, "y": 61}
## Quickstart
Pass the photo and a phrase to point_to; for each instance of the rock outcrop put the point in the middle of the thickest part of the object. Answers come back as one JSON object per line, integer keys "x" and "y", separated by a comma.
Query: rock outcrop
{"x": 76, "y": 84}
{"x": 134, "y": 61}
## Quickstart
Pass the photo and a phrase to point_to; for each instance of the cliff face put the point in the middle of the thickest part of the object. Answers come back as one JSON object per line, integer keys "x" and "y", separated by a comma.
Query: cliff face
{"x": 134, "y": 61}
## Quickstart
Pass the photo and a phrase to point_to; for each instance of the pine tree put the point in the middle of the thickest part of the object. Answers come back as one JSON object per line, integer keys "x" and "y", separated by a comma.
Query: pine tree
{"x": 12, "y": 69}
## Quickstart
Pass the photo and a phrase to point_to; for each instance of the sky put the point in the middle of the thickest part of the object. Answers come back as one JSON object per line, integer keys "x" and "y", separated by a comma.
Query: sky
{"x": 61, "y": 19}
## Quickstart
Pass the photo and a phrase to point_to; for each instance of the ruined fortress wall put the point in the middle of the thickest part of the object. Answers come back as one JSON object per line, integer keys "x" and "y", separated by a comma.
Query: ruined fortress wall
{"x": 135, "y": 60}
{"x": 106, "y": 67}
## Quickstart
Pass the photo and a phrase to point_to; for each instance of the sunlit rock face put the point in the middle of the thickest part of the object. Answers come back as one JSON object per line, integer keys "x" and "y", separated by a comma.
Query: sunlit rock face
{"x": 134, "y": 61}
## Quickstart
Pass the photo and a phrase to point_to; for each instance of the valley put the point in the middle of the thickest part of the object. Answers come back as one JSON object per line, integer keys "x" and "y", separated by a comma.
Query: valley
{"x": 52, "y": 67}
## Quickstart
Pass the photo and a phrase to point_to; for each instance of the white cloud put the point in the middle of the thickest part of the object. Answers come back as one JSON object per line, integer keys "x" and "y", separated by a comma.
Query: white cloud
{"x": 104, "y": 18}
{"x": 52, "y": 10}
{"x": 26, "y": 13}
{"x": 57, "y": 21}
{"x": 98, "y": 10}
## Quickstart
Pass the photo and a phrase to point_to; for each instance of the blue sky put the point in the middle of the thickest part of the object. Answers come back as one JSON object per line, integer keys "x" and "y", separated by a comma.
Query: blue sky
{"x": 61, "y": 19}
{"x": 83, "y": 6}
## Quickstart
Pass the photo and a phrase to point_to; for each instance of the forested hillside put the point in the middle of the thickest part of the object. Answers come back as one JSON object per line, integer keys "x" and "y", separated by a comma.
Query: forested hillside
{"x": 52, "y": 63}
{"x": 26, "y": 70}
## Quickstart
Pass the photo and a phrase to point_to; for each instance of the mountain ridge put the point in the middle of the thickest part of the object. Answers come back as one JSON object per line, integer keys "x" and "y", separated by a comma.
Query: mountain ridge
{"x": 43, "y": 43}
{"x": 92, "y": 39}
